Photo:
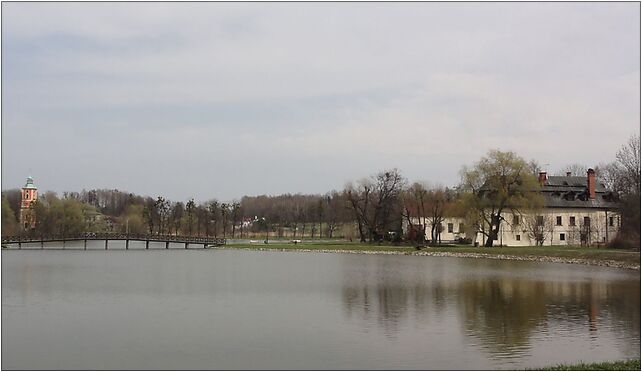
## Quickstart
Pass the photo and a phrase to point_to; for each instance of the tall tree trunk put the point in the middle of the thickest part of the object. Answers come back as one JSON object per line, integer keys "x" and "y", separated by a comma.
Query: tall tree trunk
{"x": 362, "y": 236}
{"x": 494, "y": 230}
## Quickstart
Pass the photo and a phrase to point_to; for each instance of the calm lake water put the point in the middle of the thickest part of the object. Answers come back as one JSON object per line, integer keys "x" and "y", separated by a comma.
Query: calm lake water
{"x": 226, "y": 309}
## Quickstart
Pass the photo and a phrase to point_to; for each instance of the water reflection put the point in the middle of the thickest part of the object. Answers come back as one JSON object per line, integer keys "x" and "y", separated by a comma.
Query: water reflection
{"x": 498, "y": 307}
{"x": 234, "y": 310}
{"x": 502, "y": 313}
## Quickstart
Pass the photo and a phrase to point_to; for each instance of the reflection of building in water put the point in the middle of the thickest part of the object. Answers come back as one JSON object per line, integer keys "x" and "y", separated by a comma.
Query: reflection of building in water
{"x": 503, "y": 314}
{"x": 387, "y": 304}
{"x": 593, "y": 313}
{"x": 29, "y": 196}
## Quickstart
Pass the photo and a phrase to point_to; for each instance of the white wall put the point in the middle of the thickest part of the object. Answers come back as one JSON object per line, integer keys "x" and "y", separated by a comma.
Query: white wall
{"x": 600, "y": 231}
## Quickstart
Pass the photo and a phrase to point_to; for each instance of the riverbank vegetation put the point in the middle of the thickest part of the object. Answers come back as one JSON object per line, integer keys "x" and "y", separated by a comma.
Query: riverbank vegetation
{"x": 621, "y": 365}
{"x": 382, "y": 207}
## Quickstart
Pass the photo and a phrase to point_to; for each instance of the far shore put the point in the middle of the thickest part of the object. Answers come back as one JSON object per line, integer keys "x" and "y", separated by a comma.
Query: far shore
{"x": 616, "y": 258}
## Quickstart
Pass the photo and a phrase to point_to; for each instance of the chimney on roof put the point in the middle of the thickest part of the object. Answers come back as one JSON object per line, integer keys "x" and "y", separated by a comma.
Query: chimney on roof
{"x": 568, "y": 174}
{"x": 542, "y": 178}
{"x": 590, "y": 183}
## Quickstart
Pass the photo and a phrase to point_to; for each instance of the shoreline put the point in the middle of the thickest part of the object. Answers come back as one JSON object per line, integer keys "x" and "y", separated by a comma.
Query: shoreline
{"x": 491, "y": 256}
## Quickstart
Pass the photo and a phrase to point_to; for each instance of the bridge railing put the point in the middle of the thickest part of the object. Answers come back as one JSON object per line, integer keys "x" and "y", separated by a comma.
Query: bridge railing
{"x": 115, "y": 236}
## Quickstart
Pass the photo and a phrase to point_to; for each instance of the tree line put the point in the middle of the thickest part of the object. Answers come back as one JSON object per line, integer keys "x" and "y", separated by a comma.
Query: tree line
{"x": 371, "y": 209}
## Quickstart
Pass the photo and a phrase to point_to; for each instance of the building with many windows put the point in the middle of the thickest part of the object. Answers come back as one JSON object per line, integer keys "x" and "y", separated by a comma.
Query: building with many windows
{"x": 577, "y": 211}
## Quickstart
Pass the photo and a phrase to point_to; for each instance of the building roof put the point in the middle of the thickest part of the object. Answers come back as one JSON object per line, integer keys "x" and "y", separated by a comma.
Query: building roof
{"x": 569, "y": 182}
{"x": 29, "y": 184}
{"x": 572, "y": 192}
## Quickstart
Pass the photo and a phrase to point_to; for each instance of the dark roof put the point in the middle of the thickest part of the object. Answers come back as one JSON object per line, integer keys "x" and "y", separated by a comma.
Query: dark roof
{"x": 572, "y": 192}
{"x": 571, "y": 182}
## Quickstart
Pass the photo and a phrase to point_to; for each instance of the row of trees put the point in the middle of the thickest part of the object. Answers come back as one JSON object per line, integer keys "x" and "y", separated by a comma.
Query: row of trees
{"x": 375, "y": 208}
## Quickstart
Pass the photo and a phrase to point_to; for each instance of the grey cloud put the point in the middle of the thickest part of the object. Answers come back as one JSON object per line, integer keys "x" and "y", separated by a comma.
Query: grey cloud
{"x": 225, "y": 99}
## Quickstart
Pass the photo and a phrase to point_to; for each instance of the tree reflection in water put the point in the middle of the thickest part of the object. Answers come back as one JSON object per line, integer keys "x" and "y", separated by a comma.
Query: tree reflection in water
{"x": 503, "y": 312}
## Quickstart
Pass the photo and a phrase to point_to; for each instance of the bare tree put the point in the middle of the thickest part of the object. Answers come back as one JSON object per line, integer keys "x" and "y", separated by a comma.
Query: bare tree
{"x": 189, "y": 207}
{"x": 215, "y": 212}
{"x": 414, "y": 207}
{"x": 236, "y": 215}
{"x": 539, "y": 226}
{"x": 623, "y": 177}
{"x": 375, "y": 201}
{"x": 435, "y": 206}
{"x": 575, "y": 169}
{"x": 177, "y": 216}
{"x": 162, "y": 207}
{"x": 224, "y": 213}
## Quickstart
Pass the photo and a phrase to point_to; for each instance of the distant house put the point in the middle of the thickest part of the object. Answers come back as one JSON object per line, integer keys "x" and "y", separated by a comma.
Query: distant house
{"x": 577, "y": 211}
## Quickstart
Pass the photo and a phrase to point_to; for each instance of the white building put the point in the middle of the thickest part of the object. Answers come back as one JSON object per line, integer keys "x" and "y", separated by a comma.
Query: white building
{"x": 578, "y": 211}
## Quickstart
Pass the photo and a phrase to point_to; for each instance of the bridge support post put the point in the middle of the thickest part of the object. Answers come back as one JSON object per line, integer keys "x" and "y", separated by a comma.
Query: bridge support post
{"x": 42, "y": 244}
{"x": 126, "y": 243}
{"x": 204, "y": 245}
{"x": 106, "y": 241}
{"x": 19, "y": 245}
{"x": 63, "y": 244}
{"x": 85, "y": 245}
{"x": 146, "y": 244}
{"x": 186, "y": 244}
{"x": 167, "y": 244}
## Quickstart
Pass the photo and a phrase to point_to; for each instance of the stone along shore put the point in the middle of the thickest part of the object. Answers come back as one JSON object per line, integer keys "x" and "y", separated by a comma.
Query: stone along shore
{"x": 491, "y": 256}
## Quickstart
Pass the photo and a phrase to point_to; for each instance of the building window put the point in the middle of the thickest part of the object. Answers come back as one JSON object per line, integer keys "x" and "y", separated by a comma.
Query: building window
{"x": 518, "y": 237}
{"x": 571, "y": 221}
{"x": 540, "y": 220}
{"x": 587, "y": 221}
{"x": 558, "y": 220}
{"x": 515, "y": 220}
{"x": 611, "y": 221}
{"x": 450, "y": 228}
{"x": 562, "y": 237}
{"x": 461, "y": 228}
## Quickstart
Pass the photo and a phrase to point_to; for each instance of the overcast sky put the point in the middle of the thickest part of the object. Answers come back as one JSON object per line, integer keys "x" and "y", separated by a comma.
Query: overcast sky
{"x": 221, "y": 100}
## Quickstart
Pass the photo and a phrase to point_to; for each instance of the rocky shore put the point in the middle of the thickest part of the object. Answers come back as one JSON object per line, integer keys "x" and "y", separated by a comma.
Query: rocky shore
{"x": 576, "y": 261}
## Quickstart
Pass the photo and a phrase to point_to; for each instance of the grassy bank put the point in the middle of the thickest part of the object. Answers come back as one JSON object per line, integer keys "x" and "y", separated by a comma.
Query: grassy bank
{"x": 621, "y": 365}
{"x": 562, "y": 252}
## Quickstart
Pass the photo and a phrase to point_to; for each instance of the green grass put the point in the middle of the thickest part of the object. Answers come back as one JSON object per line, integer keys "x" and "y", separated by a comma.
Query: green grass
{"x": 605, "y": 254}
{"x": 621, "y": 365}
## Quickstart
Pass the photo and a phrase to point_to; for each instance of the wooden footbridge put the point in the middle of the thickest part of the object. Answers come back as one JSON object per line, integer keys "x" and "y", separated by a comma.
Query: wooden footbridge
{"x": 107, "y": 237}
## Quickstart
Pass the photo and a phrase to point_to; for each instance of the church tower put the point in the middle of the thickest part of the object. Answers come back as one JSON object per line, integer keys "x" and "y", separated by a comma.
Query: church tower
{"x": 29, "y": 195}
